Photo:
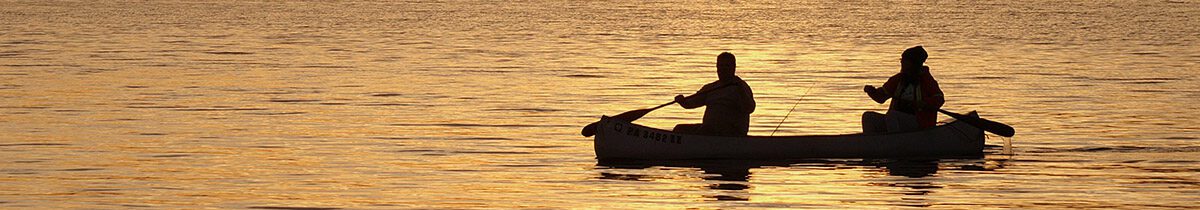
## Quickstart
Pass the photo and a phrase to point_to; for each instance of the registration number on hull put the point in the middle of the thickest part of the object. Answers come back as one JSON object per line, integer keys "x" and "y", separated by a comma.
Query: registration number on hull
{"x": 646, "y": 134}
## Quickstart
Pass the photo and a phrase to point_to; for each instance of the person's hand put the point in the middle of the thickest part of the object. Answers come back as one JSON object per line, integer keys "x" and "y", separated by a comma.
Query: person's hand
{"x": 869, "y": 89}
{"x": 679, "y": 98}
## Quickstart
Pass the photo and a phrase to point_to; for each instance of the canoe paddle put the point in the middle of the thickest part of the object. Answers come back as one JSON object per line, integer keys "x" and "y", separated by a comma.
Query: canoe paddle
{"x": 985, "y": 124}
{"x": 630, "y": 116}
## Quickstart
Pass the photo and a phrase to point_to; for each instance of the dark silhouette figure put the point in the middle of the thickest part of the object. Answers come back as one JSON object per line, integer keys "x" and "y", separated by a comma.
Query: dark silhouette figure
{"x": 729, "y": 99}
{"x": 915, "y": 96}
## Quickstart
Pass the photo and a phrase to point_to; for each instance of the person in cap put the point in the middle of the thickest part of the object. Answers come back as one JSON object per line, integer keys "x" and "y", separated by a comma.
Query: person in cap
{"x": 914, "y": 93}
{"x": 729, "y": 102}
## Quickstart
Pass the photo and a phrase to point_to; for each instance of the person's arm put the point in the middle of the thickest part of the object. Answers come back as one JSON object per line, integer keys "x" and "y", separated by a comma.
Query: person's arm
{"x": 876, "y": 94}
{"x": 697, "y": 99}
{"x": 748, "y": 102}
{"x": 935, "y": 99}
{"x": 880, "y": 95}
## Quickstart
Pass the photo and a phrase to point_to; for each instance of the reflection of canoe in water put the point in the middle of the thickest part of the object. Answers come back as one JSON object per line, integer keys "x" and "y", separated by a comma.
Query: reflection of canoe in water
{"x": 617, "y": 139}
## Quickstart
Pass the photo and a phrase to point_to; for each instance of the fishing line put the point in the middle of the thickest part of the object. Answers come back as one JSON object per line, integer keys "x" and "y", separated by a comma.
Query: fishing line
{"x": 793, "y": 108}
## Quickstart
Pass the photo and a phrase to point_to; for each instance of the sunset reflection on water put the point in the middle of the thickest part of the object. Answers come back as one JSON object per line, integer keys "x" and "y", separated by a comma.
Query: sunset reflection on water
{"x": 385, "y": 105}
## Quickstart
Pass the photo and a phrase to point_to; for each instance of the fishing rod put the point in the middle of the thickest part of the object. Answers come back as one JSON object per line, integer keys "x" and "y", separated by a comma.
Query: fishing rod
{"x": 793, "y": 108}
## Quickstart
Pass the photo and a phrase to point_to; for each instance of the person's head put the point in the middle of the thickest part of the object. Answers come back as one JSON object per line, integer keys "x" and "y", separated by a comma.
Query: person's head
{"x": 913, "y": 60}
{"x": 726, "y": 65}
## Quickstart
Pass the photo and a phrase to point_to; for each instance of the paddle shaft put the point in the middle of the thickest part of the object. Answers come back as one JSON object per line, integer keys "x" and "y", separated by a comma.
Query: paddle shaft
{"x": 663, "y": 105}
{"x": 985, "y": 124}
{"x": 590, "y": 129}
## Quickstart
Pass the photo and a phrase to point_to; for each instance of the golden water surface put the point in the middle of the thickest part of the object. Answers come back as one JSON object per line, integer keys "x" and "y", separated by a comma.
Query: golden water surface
{"x": 469, "y": 104}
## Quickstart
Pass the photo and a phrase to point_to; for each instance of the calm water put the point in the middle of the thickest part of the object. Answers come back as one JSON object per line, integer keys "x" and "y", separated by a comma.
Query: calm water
{"x": 479, "y": 103}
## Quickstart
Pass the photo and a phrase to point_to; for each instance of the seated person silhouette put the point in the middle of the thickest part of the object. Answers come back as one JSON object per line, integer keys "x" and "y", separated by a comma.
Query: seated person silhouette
{"x": 729, "y": 102}
{"x": 915, "y": 96}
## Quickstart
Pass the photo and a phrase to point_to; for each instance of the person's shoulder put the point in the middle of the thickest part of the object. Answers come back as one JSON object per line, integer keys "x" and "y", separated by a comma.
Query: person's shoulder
{"x": 895, "y": 78}
{"x": 710, "y": 86}
{"x": 927, "y": 75}
{"x": 741, "y": 83}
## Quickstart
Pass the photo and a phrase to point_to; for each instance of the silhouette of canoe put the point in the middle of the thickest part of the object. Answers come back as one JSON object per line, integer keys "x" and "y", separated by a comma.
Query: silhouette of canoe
{"x": 616, "y": 139}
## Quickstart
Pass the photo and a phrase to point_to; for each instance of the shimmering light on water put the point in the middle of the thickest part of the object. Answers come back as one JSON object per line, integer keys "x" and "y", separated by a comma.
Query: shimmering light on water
{"x": 361, "y": 104}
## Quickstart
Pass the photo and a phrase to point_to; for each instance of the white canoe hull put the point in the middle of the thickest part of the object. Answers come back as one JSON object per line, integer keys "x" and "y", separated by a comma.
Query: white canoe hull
{"x": 617, "y": 139}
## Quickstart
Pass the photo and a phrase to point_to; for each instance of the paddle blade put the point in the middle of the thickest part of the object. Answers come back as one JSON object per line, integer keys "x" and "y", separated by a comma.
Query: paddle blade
{"x": 589, "y": 130}
{"x": 985, "y": 124}
{"x": 630, "y": 116}
{"x": 996, "y": 127}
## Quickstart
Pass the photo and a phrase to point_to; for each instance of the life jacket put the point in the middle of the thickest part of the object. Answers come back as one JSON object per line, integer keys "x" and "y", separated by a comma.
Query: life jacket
{"x": 926, "y": 91}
